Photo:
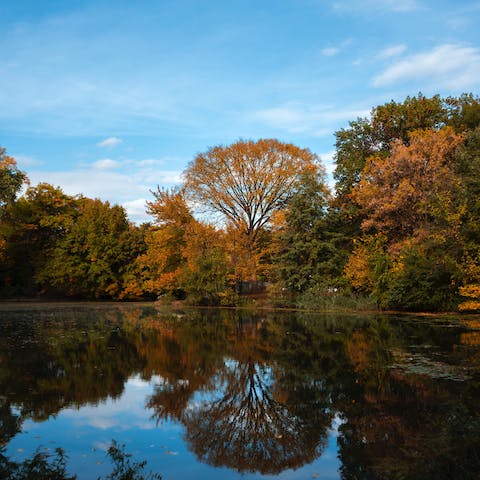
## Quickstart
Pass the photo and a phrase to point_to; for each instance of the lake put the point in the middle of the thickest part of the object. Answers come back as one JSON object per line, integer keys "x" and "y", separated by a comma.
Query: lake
{"x": 228, "y": 394}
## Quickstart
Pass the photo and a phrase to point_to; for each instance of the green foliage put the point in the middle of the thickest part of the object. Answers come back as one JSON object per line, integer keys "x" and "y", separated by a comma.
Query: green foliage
{"x": 393, "y": 121}
{"x": 206, "y": 283}
{"x": 323, "y": 297}
{"x": 31, "y": 228}
{"x": 93, "y": 255}
{"x": 467, "y": 167}
{"x": 11, "y": 179}
{"x": 306, "y": 250}
{"x": 407, "y": 178}
{"x": 424, "y": 281}
{"x": 53, "y": 466}
{"x": 463, "y": 112}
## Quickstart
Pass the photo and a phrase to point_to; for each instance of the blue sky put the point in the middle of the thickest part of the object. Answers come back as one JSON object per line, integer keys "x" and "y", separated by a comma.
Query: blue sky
{"x": 110, "y": 99}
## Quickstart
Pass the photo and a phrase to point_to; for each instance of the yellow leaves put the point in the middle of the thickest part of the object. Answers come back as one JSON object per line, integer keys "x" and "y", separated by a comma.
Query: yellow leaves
{"x": 469, "y": 306}
{"x": 169, "y": 207}
{"x": 357, "y": 268}
{"x": 471, "y": 338}
{"x": 472, "y": 292}
{"x": 6, "y": 162}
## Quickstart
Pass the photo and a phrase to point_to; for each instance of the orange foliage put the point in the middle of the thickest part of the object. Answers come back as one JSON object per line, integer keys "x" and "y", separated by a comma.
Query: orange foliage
{"x": 247, "y": 181}
{"x": 161, "y": 264}
{"x": 414, "y": 188}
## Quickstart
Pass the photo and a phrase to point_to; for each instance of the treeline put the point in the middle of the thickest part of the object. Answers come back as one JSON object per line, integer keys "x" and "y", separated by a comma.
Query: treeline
{"x": 401, "y": 230}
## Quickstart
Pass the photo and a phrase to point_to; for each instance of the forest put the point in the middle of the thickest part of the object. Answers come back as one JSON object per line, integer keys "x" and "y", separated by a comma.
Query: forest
{"x": 400, "y": 229}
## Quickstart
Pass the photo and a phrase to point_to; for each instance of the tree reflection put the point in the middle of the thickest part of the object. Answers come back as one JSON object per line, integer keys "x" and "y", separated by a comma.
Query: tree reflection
{"x": 259, "y": 393}
{"x": 248, "y": 413}
{"x": 247, "y": 429}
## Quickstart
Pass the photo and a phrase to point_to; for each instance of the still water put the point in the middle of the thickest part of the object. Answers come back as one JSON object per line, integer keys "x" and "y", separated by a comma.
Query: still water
{"x": 224, "y": 394}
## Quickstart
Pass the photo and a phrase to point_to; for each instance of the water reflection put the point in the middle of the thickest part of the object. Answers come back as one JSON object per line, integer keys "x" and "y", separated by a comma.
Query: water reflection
{"x": 260, "y": 393}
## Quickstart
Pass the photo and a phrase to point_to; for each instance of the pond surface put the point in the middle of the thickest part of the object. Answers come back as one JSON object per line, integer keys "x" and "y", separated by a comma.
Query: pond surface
{"x": 224, "y": 394}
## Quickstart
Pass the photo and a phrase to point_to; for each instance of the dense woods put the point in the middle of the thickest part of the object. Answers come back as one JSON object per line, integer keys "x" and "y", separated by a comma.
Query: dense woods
{"x": 401, "y": 230}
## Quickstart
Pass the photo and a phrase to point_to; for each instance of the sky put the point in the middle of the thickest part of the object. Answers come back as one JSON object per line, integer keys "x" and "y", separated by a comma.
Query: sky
{"x": 110, "y": 99}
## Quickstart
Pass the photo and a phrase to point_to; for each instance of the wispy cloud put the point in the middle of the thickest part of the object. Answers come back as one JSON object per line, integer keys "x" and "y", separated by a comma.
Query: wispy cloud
{"x": 26, "y": 160}
{"x": 333, "y": 50}
{"x": 110, "y": 142}
{"x": 105, "y": 164}
{"x": 451, "y": 66}
{"x": 330, "y": 51}
{"x": 402, "y": 5}
{"x": 391, "y": 52}
{"x": 317, "y": 121}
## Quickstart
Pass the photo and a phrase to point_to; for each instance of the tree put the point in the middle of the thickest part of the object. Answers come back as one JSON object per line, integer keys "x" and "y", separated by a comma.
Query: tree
{"x": 161, "y": 264}
{"x": 467, "y": 167}
{"x": 183, "y": 256}
{"x": 204, "y": 275}
{"x": 247, "y": 181}
{"x": 374, "y": 136}
{"x": 463, "y": 112}
{"x": 415, "y": 189}
{"x": 11, "y": 179}
{"x": 412, "y": 207}
{"x": 92, "y": 257}
{"x": 31, "y": 228}
{"x": 305, "y": 250}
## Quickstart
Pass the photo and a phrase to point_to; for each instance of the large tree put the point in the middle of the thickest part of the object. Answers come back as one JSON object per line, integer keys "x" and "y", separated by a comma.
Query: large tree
{"x": 412, "y": 207}
{"x": 247, "y": 181}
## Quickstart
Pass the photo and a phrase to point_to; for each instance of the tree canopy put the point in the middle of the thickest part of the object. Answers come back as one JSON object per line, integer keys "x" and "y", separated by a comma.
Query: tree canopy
{"x": 401, "y": 229}
{"x": 247, "y": 181}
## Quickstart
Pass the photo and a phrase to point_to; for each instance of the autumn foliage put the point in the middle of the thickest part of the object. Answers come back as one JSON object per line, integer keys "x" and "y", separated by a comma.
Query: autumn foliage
{"x": 400, "y": 229}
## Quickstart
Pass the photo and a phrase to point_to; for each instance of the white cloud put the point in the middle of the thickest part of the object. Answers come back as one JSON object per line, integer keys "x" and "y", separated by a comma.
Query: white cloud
{"x": 105, "y": 164}
{"x": 333, "y": 50}
{"x": 328, "y": 162}
{"x": 103, "y": 446}
{"x": 316, "y": 121}
{"x": 104, "y": 424}
{"x": 26, "y": 161}
{"x": 392, "y": 51}
{"x": 330, "y": 51}
{"x": 128, "y": 185}
{"x": 110, "y": 142}
{"x": 149, "y": 162}
{"x": 451, "y": 66}
{"x": 136, "y": 209}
